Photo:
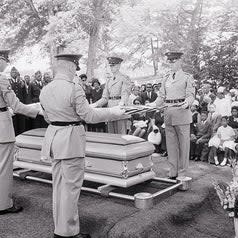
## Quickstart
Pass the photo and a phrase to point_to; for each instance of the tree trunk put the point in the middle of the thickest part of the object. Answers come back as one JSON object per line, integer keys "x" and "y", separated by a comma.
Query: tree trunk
{"x": 93, "y": 38}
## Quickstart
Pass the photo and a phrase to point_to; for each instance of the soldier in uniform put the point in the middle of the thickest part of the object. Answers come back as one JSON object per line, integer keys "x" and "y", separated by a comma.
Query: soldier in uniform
{"x": 65, "y": 107}
{"x": 177, "y": 92}
{"x": 7, "y": 137}
{"x": 116, "y": 92}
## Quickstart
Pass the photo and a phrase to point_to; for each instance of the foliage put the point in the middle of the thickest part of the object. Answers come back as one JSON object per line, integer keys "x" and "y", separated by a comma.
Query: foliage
{"x": 140, "y": 31}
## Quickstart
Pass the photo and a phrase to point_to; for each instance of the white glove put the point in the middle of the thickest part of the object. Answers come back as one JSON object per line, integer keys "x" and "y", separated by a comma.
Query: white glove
{"x": 11, "y": 111}
{"x": 184, "y": 105}
{"x": 152, "y": 104}
{"x": 93, "y": 105}
{"x": 117, "y": 111}
{"x": 41, "y": 112}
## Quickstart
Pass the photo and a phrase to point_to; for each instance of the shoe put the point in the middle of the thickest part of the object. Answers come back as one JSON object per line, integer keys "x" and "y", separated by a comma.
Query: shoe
{"x": 223, "y": 163}
{"x": 216, "y": 161}
{"x": 164, "y": 154}
{"x": 77, "y": 236}
{"x": 13, "y": 209}
{"x": 84, "y": 235}
{"x": 197, "y": 159}
{"x": 173, "y": 178}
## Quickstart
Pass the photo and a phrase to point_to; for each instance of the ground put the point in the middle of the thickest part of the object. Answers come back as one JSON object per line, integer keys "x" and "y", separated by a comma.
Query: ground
{"x": 192, "y": 214}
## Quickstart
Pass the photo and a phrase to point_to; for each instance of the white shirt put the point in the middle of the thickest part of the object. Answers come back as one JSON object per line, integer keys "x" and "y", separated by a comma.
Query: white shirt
{"x": 226, "y": 133}
{"x": 223, "y": 106}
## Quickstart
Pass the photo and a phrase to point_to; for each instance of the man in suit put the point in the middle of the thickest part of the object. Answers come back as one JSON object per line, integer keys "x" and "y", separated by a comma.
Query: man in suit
{"x": 7, "y": 137}
{"x": 116, "y": 93}
{"x": 65, "y": 106}
{"x": 177, "y": 93}
{"x": 200, "y": 138}
{"x": 35, "y": 88}
{"x": 17, "y": 85}
{"x": 149, "y": 95}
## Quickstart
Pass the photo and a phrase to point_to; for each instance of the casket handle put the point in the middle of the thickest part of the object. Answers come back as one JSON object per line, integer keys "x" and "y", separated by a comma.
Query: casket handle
{"x": 88, "y": 164}
{"x": 140, "y": 167}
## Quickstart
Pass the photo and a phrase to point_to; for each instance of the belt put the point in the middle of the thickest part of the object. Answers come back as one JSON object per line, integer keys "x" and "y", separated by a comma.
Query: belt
{"x": 175, "y": 100}
{"x": 3, "y": 109}
{"x": 66, "y": 123}
{"x": 115, "y": 97}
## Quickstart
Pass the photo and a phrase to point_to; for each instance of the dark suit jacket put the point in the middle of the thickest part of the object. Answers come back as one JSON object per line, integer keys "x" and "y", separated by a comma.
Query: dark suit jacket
{"x": 144, "y": 97}
{"x": 34, "y": 90}
{"x": 203, "y": 130}
{"x": 232, "y": 123}
{"x": 19, "y": 89}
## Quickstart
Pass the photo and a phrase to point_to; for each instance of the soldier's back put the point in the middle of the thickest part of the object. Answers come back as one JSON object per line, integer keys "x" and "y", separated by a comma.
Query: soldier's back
{"x": 56, "y": 98}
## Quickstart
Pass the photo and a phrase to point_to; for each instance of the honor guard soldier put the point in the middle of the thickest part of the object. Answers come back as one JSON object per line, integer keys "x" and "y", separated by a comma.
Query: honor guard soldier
{"x": 116, "y": 93}
{"x": 177, "y": 92}
{"x": 65, "y": 107}
{"x": 7, "y": 137}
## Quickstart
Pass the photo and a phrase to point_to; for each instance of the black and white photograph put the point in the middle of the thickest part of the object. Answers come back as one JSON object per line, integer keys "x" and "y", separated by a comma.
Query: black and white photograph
{"x": 119, "y": 119}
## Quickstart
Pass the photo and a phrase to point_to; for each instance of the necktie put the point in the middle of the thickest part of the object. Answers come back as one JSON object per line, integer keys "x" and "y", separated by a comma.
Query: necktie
{"x": 173, "y": 75}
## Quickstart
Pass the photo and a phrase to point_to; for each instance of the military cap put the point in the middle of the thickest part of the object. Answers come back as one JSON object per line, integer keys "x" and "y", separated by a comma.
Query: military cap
{"x": 114, "y": 60}
{"x": 4, "y": 55}
{"x": 83, "y": 76}
{"x": 95, "y": 80}
{"x": 70, "y": 57}
{"x": 173, "y": 55}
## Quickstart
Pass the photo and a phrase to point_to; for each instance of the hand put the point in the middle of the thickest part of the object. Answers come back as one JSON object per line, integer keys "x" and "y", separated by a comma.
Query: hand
{"x": 41, "y": 112}
{"x": 184, "y": 105}
{"x": 117, "y": 111}
{"x": 152, "y": 104}
{"x": 11, "y": 111}
{"x": 93, "y": 105}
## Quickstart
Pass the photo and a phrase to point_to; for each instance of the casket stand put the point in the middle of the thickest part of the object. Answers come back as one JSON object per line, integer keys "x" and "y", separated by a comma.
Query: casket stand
{"x": 111, "y": 160}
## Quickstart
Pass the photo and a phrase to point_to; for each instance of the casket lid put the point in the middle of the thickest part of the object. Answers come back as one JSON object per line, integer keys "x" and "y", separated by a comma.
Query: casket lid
{"x": 104, "y": 138}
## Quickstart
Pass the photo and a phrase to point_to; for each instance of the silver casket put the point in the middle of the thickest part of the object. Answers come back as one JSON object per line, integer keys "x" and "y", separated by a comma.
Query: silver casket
{"x": 120, "y": 160}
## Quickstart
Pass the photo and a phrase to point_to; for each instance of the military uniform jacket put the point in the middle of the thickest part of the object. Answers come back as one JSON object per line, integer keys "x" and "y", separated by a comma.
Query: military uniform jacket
{"x": 181, "y": 87}
{"x": 118, "y": 86}
{"x": 64, "y": 100}
{"x": 8, "y": 99}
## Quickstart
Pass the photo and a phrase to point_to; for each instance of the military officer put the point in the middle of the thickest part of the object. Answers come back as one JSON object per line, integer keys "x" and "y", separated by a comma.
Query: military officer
{"x": 116, "y": 92}
{"x": 7, "y": 137}
{"x": 177, "y": 92}
{"x": 65, "y": 107}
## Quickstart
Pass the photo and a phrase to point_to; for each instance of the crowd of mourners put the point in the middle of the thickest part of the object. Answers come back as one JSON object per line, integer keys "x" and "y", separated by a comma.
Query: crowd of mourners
{"x": 214, "y": 136}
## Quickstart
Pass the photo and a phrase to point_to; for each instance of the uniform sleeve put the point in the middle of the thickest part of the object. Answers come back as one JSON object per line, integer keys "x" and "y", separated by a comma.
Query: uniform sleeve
{"x": 161, "y": 97}
{"x": 12, "y": 101}
{"x": 125, "y": 92}
{"x": 87, "y": 113}
{"x": 105, "y": 96}
{"x": 190, "y": 90}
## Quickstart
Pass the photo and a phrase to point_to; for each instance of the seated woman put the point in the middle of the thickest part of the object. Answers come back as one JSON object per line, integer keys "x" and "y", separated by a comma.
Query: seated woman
{"x": 223, "y": 140}
{"x": 138, "y": 121}
{"x": 215, "y": 121}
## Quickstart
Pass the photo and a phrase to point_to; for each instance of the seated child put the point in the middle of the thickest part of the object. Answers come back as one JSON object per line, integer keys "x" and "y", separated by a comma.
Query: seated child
{"x": 223, "y": 139}
{"x": 139, "y": 123}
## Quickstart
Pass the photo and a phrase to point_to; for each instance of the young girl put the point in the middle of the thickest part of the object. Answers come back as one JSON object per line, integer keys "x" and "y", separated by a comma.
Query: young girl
{"x": 223, "y": 139}
{"x": 139, "y": 123}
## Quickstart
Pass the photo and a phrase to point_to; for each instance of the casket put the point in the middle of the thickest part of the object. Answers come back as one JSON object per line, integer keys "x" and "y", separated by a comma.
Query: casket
{"x": 117, "y": 156}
